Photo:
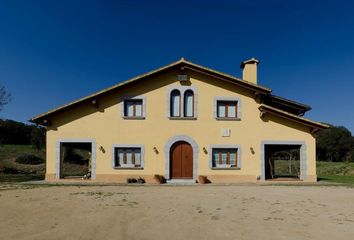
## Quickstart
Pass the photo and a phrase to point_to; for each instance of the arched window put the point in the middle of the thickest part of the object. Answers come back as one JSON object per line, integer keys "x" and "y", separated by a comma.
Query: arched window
{"x": 175, "y": 104}
{"x": 189, "y": 103}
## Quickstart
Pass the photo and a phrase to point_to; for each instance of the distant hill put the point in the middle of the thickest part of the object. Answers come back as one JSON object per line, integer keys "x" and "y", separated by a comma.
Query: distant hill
{"x": 18, "y": 133}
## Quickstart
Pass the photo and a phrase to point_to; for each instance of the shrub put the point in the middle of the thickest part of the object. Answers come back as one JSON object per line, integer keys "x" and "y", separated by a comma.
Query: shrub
{"x": 203, "y": 179}
{"x": 140, "y": 180}
{"x": 134, "y": 180}
{"x": 159, "y": 178}
{"x": 131, "y": 180}
{"x": 29, "y": 159}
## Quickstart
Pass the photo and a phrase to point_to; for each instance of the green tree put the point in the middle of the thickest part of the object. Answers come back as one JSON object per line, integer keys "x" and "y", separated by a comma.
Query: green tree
{"x": 335, "y": 144}
{"x": 38, "y": 137}
{"x": 13, "y": 132}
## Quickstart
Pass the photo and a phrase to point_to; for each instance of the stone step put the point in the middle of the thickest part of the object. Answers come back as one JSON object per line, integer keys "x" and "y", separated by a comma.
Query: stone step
{"x": 181, "y": 182}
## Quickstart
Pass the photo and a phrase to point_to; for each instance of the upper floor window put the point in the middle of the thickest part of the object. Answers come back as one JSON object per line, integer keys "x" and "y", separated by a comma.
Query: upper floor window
{"x": 133, "y": 108}
{"x": 182, "y": 101}
{"x": 175, "y": 104}
{"x": 188, "y": 103}
{"x": 227, "y": 109}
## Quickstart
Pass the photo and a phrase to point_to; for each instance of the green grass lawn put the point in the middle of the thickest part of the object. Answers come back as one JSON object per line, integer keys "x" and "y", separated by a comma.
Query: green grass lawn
{"x": 13, "y": 151}
{"x": 337, "y": 179}
{"x": 335, "y": 168}
{"x": 7, "y": 178}
{"x": 336, "y": 172}
{"x": 8, "y": 154}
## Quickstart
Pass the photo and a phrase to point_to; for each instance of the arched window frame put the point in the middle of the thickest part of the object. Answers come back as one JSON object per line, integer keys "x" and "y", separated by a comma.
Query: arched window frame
{"x": 182, "y": 90}
{"x": 185, "y": 103}
{"x": 175, "y": 93}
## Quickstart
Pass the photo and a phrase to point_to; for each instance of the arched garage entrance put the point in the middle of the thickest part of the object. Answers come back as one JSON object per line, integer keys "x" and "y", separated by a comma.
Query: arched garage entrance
{"x": 181, "y": 161}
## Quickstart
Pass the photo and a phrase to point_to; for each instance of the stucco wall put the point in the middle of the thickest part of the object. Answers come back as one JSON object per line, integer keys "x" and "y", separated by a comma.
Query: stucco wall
{"x": 106, "y": 126}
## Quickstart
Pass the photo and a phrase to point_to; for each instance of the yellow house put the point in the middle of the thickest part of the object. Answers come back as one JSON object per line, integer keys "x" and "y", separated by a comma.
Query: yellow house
{"x": 181, "y": 121}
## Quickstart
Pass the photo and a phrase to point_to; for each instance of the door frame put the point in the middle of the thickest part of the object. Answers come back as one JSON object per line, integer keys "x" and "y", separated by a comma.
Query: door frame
{"x": 75, "y": 140}
{"x": 167, "y": 149}
{"x": 303, "y": 156}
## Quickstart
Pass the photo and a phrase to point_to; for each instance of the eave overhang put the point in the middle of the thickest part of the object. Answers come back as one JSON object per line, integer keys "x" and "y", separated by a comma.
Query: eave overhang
{"x": 287, "y": 103}
{"x": 265, "y": 109}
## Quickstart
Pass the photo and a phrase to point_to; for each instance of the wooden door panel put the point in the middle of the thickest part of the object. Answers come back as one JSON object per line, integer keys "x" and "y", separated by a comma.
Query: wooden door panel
{"x": 181, "y": 157}
{"x": 176, "y": 161}
{"x": 187, "y": 161}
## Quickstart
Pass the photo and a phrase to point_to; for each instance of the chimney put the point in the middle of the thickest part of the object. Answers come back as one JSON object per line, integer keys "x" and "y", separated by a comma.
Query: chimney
{"x": 249, "y": 70}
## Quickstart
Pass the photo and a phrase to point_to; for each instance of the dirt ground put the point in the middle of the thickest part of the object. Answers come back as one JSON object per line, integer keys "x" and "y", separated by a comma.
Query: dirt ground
{"x": 177, "y": 212}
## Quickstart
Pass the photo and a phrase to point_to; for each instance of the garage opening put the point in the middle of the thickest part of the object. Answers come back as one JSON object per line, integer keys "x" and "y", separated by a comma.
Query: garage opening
{"x": 75, "y": 160}
{"x": 282, "y": 162}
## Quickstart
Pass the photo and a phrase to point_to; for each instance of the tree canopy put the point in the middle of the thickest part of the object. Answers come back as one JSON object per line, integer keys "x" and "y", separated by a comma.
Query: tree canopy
{"x": 335, "y": 144}
{"x": 18, "y": 133}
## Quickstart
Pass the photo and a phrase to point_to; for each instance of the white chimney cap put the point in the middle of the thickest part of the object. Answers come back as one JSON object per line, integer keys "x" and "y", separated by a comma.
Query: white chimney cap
{"x": 251, "y": 60}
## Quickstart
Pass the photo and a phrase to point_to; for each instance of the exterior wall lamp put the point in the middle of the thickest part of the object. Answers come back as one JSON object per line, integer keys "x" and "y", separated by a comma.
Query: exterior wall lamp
{"x": 205, "y": 150}
{"x": 102, "y": 149}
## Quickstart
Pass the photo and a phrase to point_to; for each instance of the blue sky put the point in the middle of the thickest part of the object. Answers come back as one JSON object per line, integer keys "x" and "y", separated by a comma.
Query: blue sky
{"x": 52, "y": 52}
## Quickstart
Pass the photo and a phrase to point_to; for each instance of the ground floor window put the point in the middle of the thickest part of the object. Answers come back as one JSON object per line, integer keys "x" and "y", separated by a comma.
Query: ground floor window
{"x": 224, "y": 158}
{"x": 127, "y": 157}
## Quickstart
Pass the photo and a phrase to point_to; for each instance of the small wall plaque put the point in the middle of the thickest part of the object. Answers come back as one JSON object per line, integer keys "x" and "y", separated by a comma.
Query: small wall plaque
{"x": 225, "y": 132}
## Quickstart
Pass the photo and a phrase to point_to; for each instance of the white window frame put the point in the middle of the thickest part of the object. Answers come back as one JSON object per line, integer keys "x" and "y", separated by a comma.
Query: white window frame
{"x": 127, "y": 146}
{"x": 179, "y": 104}
{"x": 185, "y": 104}
{"x": 233, "y": 146}
{"x": 228, "y": 99}
{"x": 127, "y": 98}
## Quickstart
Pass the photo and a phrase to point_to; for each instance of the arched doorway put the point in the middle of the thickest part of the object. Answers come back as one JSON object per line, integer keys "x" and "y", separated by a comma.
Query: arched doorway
{"x": 181, "y": 157}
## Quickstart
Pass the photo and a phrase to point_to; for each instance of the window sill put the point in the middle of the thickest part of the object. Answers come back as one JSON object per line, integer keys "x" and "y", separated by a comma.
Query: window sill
{"x": 133, "y": 118}
{"x": 182, "y": 118}
{"x": 129, "y": 168}
{"x": 227, "y": 119}
{"x": 225, "y": 168}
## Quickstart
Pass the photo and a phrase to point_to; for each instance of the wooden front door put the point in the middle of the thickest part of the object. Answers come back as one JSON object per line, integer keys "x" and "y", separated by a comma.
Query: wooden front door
{"x": 181, "y": 157}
